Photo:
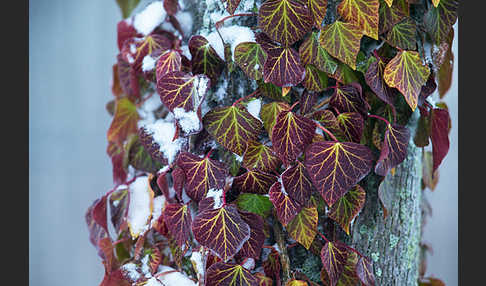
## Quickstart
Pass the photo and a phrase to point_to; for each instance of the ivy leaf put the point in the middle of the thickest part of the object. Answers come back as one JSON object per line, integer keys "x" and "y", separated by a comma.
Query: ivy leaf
{"x": 408, "y": 74}
{"x": 438, "y": 20}
{"x": 269, "y": 113}
{"x": 232, "y": 127}
{"x": 170, "y": 61}
{"x": 390, "y": 15}
{"x": 393, "y": 149}
{"x": 327, "y": 119}
{"x": 178, "y": 89}
{"x": 201, "y": 174}
{"x": 363, "y": 13}
{"x": 229, "y": 274}
{"x": 177, "y": 218}
{"x": 342, "y": 41}
{"x": 291, "y": 134}
{"x": 127, "y": 6}
{"x": 231, "y": 5}
{"x": 250, "y": 57}
{"x": 254, "y": 203}
{"x": 286, "y": 207}
{"x": 285, "y": 21}
{"x": 348, "y": 276}
{"x": 314, "y": 80}
{"x": 303, "y": 227}
{"x": 254, "y": 181}
{"x": 389, "y": 2}
{"x": 128, "y": 79}
{"x": 444, "y": 74}
{"x": 335, "y": 167}
{"x": 297, "y": 184}
{"x": 439, "y": 135}
{"x": 134, "y": 50}
{"x": 119, "y": 209}
{"x": 403, "y": 35}
{"x": 352, "y": 125}
{"x": 139, "y": 158}
{"x": 263, "y": 280}
{"x": 374, "y": 79}
{"x": 125, "y": 31}
{"x": 260, "y": 157}
{"x": 349, "y": 98}
{"x": 318, "y": 11}
{"x": 204, "y": 59}
{"x": 364, "y": 270}
{"x": 271, "y": 91}
{"x": 222, "y": 230}
{"x": 348, "y": 207}
{"x": 283, "y": 67}
{"x": 311, "y": 52}
{"x": 334, "y": 256}
{"x": 118, "y": 160}
{"x": 344, "y": 74}
{"x": 124, "y": 122}
{"x": 295, "y": 282}
{"x": 271, "y": 266}
{"x": 253, "y": 247}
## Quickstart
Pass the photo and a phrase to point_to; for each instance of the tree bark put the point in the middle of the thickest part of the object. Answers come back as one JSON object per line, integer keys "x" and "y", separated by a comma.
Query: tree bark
{"x": 392, "y": 242}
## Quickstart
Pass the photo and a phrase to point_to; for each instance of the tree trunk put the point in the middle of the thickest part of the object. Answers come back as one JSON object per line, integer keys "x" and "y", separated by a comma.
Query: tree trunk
{"x": 392, "y": 242}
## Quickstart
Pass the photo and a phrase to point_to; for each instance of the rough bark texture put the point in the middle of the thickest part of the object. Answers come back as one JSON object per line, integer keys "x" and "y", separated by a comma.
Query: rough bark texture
{"x": 393, "y": 242}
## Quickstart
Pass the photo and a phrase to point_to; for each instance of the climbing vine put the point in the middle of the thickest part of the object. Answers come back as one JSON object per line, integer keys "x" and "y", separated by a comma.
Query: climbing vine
{"x": 212, "y": 194}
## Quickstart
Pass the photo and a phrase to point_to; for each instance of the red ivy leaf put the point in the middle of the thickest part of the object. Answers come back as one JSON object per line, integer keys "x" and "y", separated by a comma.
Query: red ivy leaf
{"x": 269, "y": 113}
{"x": 352, "y": 125}
{"x": 229, "y": 274}
{"x": 170, "y": 61}
{"x": 393, "y": 149}
{"x": 349, "y": 98}
{"x": 128, "y": 79}
{"x": 178, "y": 179}
{"x": 329, "y": 121}
{"x": 96, "y": 231}
{"x": 335, "y": 167}
{"x": 171, "y": 6}
{"x": 363, "y": 13}
{"x": 118, "y": 161}
{"x": 136, "y": 49}
{"x": 286, "y": 207}
{"x": 254, "y": 181}
{"x": 178, "y": 219}
{"x": 285, "y": 21}
{"x": 201, "y": 174}
{"x": 334, "y": 256}
{"x": 260, "y": 157}
{"x": 297, "y": 183}
{"x": 253, "y": 247}
{"x": 250, "y": 57}
{"x": 311, "y": 52}
{"x": 178, "y": 89}
{"x": 439, "y": 135}
{"x": 232, "y": 127}
{"x": 231, "y": 5}
{"x": 271, "y": 266}
{"x": 390, "y": 15}
{"x": 438, "y": 21}
{"x": 222, "y": 230}
{"x": 318, "y": 11}
{"x": 204, "y": 59}
{"x": 364, "y": 270}
{"x": 307, "y": 101}
{"x": 119, "y": 209}
{"x": 374, "y": 79}
{"x": 263, "y": 280}
{"x": 291, "y": 134}
{"x": 124, "y": 122}
{"x": 283, "y": 67}
{"x": 314, "y": 80}
{"x": 303, "y": 227}
{"x": 125, "y": 31}
{"x": 348, "y": 207}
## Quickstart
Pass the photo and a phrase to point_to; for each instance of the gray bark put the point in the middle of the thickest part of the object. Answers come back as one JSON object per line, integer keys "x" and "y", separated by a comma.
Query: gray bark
{"x": 392, "y": 242}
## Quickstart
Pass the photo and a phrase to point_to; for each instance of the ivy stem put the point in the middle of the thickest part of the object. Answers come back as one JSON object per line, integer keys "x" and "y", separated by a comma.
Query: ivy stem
{"x": 220, "y": 22}
{"x": 322, "y": 103}
{"x": 293, "y": 105}
{"x": 224, "y": 197}
{"x": 209, "y": 154}
{"x": 284, "y": 257}
{"x": 355, "y": 251}
{"x": 379, "y": 117}
{"x": 120, "y": 241}
{"x": 323, "y": 236}
{"x": 375, "y": 53}
{"x": 327, "y": 131}
{"x": 245, "y": 97}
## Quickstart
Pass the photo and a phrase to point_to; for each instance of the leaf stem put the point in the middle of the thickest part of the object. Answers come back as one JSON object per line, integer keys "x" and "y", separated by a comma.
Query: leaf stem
{"x": 284, "y": 258}
{"x": 293, "y": 105}
{"x": 379, "y": 117}
{"x": 219, "y": 23}
{"x": 322, "y": 103}
{"x": 355, "y": 251}
{"x": 323, "y": 236}
{"x": 327, "y": 131}
{"x": 245, "y": 97}
{"x": 209, "y": 154}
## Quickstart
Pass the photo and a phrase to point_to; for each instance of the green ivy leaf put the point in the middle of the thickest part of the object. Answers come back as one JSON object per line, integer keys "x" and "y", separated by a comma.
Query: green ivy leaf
{"x": 254, "y": 203}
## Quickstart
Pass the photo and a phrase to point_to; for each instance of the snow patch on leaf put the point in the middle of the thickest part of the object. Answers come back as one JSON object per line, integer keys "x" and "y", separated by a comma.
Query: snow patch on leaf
{"x": 232, "y": 35}
{"x": 254, "y": 107}
{"x": 148, "y": 63}
{"x": 188, "y": 120}
{"x": 216, "y": 194}
{"x": 140, "y": 208}
{"x": 149, "y": 18}
{"x": 163, "y": 132}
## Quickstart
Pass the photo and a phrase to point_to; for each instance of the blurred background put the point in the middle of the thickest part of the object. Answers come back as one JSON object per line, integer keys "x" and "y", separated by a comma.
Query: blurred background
{"x": 72, "y": 47}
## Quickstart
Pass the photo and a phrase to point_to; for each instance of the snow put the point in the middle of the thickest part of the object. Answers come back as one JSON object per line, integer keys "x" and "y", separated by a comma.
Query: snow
{"x": 282, "y": 189}
{"x": 130, "y": 59}
{"x": 149, "y": 18}
{"x": 200, "y": 86}
{"x": 249, "y": 263}
{"x": 188, "y": 120}
{"x": 186, "y": 52}
{"x": 146, "y": 111}
{"x": 159, "y": 203}
{"x": 254, "y": 108}
{"x": 220, "y": 94}
{"x": 256, "y": 67}
{"x": 148, "y": 63}
{"x": 163, "y": 132}
{"x": 232, "y": 35}
{"x": 153, "y": 282}
{"x": 174, "y": 278}
{"x": 145, "y": 266}
{"x": 139, "y": 209}
{"x": 238, "y": 158}
{"x": 216, "y": 194}
{"x": 131, "y": 270}
{"x": 185, "y": 20}
{"x": 197, "y": 261}
{"x": 133, "y": 48}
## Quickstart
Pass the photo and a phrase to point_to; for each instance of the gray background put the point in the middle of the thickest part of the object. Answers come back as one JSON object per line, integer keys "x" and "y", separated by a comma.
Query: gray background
{"x": 72, "y": 47}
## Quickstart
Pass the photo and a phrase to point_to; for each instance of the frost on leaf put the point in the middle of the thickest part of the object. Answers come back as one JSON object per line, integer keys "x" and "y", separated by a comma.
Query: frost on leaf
{"x": 232, "y": 127}
{"x": 222, "y": 230}
{"x": 336, "y": 167}
{"x": 140, "y": 206}
{"x": 201, "y": 174}
{"x": 408, "y": 74}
